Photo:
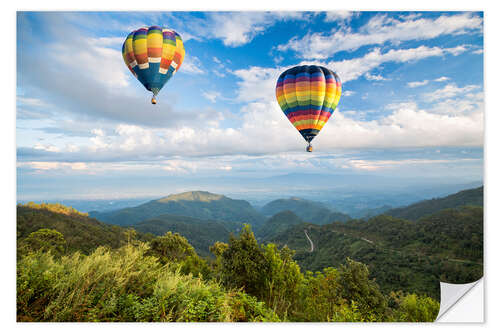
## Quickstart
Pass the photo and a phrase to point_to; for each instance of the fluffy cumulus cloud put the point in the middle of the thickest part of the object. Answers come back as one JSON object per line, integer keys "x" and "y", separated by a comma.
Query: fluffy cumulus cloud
{"x": 258, "y": 83}
{"x": 415, "y": 84}
{"x": 339, "y": 15}
{"x": 264, "y": 130}
{"x": 113, "y": 133}
{"x": 379, "y": 30}
{"x": 450, "y": 91}
{"x": 239, "y": 28}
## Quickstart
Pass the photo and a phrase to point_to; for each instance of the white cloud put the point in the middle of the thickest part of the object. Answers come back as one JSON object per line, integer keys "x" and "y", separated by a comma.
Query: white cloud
{"x": 191, "y": 65}
{"x": 417, "y": 83}
{"x": 372, "y": 77}
{"x": 49, "y": 148}
{"x": 381, "y": 29}
{"x": 43, "y": 166}
{"x": 29, "y": 101}
{"x": 338, "y": 15}
{"x": 100, "y": 63}
{"x": 372, "y": 165}
{"x": 352, "y": 69}
{"x": 211, "y": 95}
{"x": 449, "y": 91}
{"x": 442, "y": 79}
{"x": 265, "y": 130}
{"x": 239, "y": 28}
{"x": 259, "y": 83}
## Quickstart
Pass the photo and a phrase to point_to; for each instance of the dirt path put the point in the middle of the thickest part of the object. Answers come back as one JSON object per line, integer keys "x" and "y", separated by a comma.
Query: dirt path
{"x": 310, "y": 241}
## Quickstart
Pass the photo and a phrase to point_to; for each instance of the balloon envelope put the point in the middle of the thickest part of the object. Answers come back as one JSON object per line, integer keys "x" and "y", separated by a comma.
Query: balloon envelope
{"x": 153, "y": 55}
{"x": 308, "y": 95}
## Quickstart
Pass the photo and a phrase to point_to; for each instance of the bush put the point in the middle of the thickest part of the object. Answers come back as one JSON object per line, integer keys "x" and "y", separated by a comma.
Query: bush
{"x": 123, "y": 285}
{"x": 414, "y": 308}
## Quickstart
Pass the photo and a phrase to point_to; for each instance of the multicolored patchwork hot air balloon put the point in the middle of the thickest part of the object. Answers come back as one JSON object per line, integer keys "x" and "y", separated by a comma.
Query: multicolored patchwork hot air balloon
{"x": 308, "y": 95}
{"x": 153, "y": 55}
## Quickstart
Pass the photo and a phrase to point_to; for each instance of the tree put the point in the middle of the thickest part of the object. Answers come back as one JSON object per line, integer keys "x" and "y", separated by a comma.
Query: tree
{"x": 243, "y": 263}
{"x": 266, "y": 272}
{"x": 358, "y": 287}
{"x": 171, "y": 247}
{"x": 414, "y": 308}
{"x": 43, "y": 240}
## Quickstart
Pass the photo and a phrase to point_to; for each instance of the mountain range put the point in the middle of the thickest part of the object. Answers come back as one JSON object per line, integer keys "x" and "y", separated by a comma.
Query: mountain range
{"x": 409, "y": 248}
{"x": 310, "y": 211}
{"x": 198, "y": 204}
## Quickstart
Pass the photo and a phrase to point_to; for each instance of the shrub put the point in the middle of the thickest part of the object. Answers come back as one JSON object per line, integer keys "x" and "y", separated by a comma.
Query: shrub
{"x": 123, "y": 285}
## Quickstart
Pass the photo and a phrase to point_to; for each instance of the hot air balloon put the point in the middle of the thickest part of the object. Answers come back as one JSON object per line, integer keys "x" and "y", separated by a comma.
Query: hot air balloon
{"x": 308, "y": 95}
{"x": 153, "y": 55}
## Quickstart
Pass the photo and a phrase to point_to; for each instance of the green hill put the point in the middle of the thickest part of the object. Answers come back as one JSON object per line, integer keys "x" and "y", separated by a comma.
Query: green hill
{"x": 472, "y": 197}
{"x": 80, "y": 232}
{"x": 198, "y": 204}
{"x": 310, "y": 211}
{"x": 401, "y": 254}
{"x": 200, "y": 233}
{"x": 278, "y": 223}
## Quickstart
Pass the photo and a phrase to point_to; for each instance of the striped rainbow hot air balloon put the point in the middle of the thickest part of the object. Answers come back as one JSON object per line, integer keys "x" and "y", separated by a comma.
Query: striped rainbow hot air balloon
{"x": 308, "y": 95}
{"x": 153, "y": 55}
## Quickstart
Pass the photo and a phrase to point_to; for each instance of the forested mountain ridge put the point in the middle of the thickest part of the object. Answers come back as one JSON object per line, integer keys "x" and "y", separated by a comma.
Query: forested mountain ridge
{"x": 307, "y": 210}
{"x": 472, "y": 197}
{"x": 200, "y": 233}
{"x": 401, "y": 254}
{"x": 197, "y": 204}
{"x": 278, "y": 223}
{"x": 80, "y": 232}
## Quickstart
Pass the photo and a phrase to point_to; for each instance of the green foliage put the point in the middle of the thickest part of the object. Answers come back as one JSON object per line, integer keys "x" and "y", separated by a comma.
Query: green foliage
{"x": 198, "y": 204}
{"x": 356, "y": 286}
{"x": 278, "y": 223}
{"x": 266, "y": 272}
{"x": 165, "y": 280}
{"x": 123, "y": 285}
{"x": 282, "y": 279}
{"x": 400, "y": 254}
{"x": 243, "y": 263}
{"x": 171, "y": 247}
{"x": 43, "y": 240}
{"x": 473, "y": 197}
{"x": 80, "y": 232}
{"x": 306, "y": 210}
{"x": 54, "y": 207}
{"x": 200, "y": 233}
{"x": 414, "y": 308}
{"x": 175, "y": 249}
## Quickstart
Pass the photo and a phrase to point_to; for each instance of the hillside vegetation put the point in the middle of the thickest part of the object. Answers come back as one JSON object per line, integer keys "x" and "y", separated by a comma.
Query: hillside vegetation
{"x": 163, "y": 279}
{"x": 198, "y": 204}
{"x": 278, "y": 223}
{"x": 200, "y": 233}
{"x": 472, "y": 197}
{"x": 79, "y": 231}
{"x": 401, "y": 254}
{"x": 309, "y": 211}
{"x": 72, "y": 267}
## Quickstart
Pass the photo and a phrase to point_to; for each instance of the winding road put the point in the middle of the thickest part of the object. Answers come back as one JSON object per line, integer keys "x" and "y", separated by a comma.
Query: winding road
{"x": 310, "y": 241}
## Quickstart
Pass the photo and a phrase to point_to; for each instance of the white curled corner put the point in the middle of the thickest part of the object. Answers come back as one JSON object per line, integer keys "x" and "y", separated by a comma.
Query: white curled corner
{"x": 461, "y": 302}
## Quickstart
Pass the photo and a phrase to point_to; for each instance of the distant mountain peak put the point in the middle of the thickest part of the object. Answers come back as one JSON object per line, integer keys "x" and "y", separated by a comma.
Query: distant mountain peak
{"x": 202, "y": 196}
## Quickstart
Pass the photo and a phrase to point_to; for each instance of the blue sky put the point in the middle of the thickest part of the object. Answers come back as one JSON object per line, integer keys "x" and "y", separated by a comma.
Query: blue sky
{"x": 412, "y": 103}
